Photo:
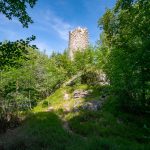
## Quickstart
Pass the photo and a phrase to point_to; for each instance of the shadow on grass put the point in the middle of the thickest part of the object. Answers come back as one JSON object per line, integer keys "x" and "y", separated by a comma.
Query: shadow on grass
{"x": 113, "y": 128}
{"x": 105, "y": 129}
{"x": 111, "y": 132}
{"x": 44, "y": 131}
{"x": 40, "y": 131}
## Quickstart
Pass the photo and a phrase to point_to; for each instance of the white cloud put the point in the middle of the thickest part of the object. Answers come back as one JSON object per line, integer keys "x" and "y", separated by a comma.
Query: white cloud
{"x": 50, "y": 20}
{"x": 45, "y": 22}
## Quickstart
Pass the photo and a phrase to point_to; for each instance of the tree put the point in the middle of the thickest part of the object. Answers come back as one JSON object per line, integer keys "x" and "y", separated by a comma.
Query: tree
{"x": 13, "y": 53}
{"x": 127, "y": 36}
{"x": 18, "y": 9}
{"x": 15, "y": 88}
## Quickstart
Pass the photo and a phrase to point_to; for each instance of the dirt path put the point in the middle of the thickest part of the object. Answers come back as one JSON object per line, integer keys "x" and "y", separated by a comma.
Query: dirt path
{"x": 65, "y": 125}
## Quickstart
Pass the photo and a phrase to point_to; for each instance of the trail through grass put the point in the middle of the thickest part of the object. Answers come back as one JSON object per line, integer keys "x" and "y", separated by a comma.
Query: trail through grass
{"x": 61, "y": 128}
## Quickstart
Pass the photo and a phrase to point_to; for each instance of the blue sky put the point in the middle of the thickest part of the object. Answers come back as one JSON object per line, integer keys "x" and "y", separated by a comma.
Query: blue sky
{"x": 53, "y": 19}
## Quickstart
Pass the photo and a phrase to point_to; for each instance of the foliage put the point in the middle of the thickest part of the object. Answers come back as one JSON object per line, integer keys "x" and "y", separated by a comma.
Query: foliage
{"x": 13, "y": 53}
{"x": 88, "y": 63}
{"x": 108, "y": 128}
{"x": 18, "y": 9}
{"x": 84, "y": 59}
{"x": 30, "y": 78}
{"x": 126, "y": 39}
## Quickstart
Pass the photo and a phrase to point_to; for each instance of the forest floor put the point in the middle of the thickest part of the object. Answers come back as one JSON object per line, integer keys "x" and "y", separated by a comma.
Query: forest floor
{"x": 64, "y": 122}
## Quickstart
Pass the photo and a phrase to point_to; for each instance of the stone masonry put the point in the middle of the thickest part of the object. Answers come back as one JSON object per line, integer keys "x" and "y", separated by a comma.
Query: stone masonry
{"x": 78, "y": 40}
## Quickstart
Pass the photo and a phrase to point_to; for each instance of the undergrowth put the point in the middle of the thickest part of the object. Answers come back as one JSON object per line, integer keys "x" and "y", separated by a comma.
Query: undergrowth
{"x": 106, "y": 129}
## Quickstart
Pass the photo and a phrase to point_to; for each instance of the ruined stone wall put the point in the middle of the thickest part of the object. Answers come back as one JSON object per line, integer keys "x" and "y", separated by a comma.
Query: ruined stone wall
{"x": 78, "y": 40}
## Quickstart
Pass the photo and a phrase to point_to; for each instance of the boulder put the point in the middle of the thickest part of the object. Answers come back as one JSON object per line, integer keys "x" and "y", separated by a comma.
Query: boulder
{"x": 81, "y": 93}
{"x": 50, "y": 108}
{"x": 66, "y": 96}
{"x": 93, "y": 105}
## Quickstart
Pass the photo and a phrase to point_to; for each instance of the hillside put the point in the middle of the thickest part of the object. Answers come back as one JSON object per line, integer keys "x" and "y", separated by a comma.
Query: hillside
{"x": 90, "y": 93}
{"x": 66, "y": 120}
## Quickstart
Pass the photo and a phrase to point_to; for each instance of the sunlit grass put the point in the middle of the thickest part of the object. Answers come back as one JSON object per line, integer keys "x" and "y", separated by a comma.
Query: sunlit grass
{"x": 107, "y": 128}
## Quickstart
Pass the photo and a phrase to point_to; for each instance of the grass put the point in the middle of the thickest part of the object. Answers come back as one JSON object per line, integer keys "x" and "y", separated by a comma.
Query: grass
{"x": 106, "y": 129}
{"x": 41, "y": 131}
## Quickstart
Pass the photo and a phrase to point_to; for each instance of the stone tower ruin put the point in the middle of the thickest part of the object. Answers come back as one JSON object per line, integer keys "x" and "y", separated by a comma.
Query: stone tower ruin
{"x": 78, "y": 40}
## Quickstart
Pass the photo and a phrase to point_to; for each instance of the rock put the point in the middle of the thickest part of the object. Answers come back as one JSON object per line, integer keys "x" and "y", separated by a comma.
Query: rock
{"x": 76, "y": 107}
{"x": 92, "y": 105}
{"x": 50, "y": 108}
{"x": 66, "y": 108}
{"x": 77, "y": 103}
{"x": 66, "y": 96}
{"x": 81, "y": 93}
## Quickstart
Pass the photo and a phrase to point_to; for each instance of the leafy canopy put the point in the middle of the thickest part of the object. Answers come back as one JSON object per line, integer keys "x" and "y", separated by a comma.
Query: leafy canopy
{"x": 126, "y": 35}
{"x": 13, "y": 53}
{"x": 18, "y": 9}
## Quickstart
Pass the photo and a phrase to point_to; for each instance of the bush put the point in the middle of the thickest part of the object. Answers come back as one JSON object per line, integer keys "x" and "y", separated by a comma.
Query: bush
{"x": 45, "y": 104}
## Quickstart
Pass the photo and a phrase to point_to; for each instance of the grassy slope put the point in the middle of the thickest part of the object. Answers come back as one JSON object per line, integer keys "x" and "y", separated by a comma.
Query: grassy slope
{"x": 105, "y": 129}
